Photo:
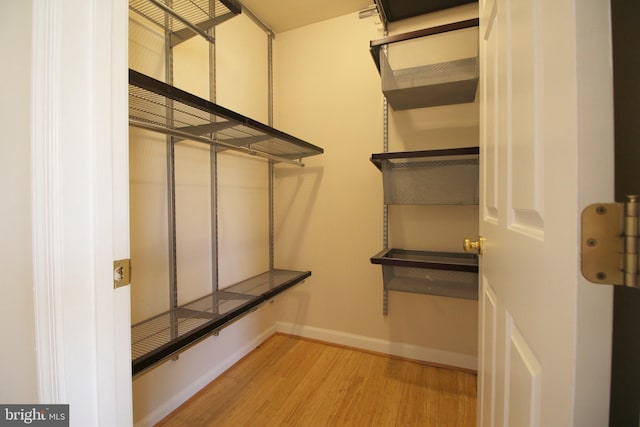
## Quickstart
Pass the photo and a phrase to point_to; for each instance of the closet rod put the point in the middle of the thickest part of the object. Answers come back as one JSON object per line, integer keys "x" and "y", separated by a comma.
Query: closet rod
{"x": 186, "y": 135}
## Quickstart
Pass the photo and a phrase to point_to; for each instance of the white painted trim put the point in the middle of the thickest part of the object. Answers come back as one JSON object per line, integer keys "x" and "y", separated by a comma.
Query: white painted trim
{"x": 78, "y": 120}
{"x": 47, "y": 224}
{"x": 111, "y": 181}
{"x": 120, "y": 126}
{"x": 410, "y": 351}
{"x": 111, "y": 209}
{"x": 183, "y": 395}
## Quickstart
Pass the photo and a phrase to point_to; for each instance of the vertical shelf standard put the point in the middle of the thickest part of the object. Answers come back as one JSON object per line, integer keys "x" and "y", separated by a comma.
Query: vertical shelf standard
{"x": 159, "y": 107}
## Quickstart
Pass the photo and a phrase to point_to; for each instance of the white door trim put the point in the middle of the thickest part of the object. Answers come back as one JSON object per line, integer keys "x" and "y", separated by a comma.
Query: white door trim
{"x": 80, "y": 211}
{"x": 47, "y": 205}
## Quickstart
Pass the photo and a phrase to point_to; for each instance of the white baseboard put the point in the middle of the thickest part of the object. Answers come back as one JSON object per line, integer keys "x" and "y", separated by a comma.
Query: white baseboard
{"x": 187, "y": 392}
{"x": 377, "y": 345}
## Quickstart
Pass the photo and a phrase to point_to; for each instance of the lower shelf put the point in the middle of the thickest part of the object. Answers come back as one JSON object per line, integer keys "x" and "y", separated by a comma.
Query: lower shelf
{"x": 158, "y": 338}
{"x": 445, "y": 274}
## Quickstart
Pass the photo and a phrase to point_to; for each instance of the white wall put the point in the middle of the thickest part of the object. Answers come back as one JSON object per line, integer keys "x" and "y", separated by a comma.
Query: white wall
{"x": 17, "y": 335}
{"x": 329, "y": 214}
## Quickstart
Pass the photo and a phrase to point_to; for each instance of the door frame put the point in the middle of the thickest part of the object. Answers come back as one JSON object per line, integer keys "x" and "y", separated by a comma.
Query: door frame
{"x": 625, "y": 370}
{"x": 80, "y": 225}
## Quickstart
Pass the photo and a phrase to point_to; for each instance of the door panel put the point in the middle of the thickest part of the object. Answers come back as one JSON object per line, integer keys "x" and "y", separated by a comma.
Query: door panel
{"x": 524, "y": 136}
{"x": 536, "y": 113}
{"x": 490, "y": 122}
{"x": 488, "y": 324}
{"x": 524, "y": 372}
{"x": 487, "y": 9}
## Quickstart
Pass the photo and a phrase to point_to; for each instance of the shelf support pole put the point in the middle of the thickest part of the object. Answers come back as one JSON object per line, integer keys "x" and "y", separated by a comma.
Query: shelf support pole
{"x": 171, "y": 181}
{"x": 271, "y": 168}
{"x": 213, "y": 167}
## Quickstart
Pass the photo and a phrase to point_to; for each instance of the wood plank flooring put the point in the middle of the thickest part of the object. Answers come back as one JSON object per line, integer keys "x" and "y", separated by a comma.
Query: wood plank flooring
{"x": 289, "y": 381}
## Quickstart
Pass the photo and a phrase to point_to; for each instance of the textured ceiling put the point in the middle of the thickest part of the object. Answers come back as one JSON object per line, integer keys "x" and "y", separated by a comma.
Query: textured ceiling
{"x": 284, "y": 15}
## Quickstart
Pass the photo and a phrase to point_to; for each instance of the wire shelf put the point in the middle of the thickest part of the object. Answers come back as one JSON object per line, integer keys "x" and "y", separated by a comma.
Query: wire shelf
{"x": 158, "y": 338}
{"x": 430, "y": 67}
{"x": 447, "y": 274}
{"x": 185, "y": 18}
{"x": 430, "y": 177}
{"x": 157, "y": 106}
{"x": 393, "y": 11}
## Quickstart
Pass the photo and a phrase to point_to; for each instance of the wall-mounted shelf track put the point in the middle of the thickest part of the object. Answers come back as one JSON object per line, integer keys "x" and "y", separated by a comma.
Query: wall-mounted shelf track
{"x": 447, "y": 274}
{"x": 430, "y": 177}
{"x": 429, "y": 67}
{"x": 197, "y": 119}
{"x": 162, "y": 336}
{"x": 158, "y": 106}
{"x": 183, "y": 19}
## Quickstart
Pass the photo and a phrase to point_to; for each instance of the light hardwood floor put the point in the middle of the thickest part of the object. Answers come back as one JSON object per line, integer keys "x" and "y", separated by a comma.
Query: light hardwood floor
{"x": 289, "y": 381}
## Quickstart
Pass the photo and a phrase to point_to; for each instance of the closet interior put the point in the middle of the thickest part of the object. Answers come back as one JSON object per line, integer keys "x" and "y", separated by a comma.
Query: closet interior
{"x": 234, "y": 199}
{"x": 184, "y": 118}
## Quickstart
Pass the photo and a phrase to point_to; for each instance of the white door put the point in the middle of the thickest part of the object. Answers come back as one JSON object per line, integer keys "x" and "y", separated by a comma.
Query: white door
{"x": 546, "y": 152}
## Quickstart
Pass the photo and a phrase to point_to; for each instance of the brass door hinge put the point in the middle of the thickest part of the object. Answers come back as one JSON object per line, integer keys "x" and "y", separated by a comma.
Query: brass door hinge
{"x": 609, "y": 253}
{"x": 121, "y": 273}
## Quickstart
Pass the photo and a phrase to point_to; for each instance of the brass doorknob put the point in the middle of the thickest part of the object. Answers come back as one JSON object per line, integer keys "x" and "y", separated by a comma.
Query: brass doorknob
{"x": 471, "y": 246}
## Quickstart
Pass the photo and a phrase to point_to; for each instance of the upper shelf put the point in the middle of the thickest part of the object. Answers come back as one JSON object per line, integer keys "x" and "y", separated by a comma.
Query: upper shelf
{"x": 396, "y": 10}
{"x": 157, "y": 106}
{"x": 183, "y": 19}
{"x": 430, "y": 67}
